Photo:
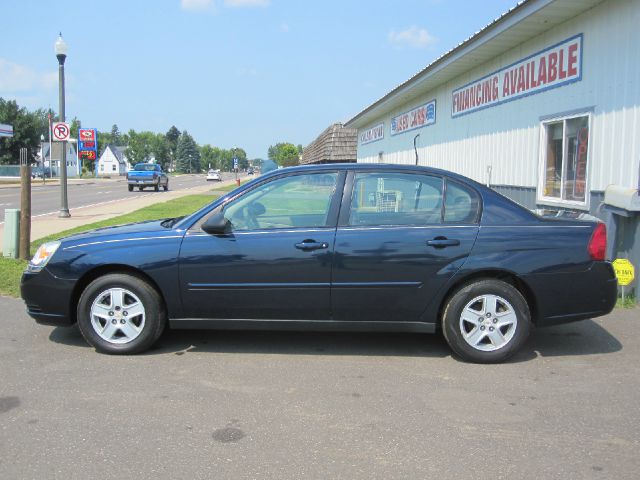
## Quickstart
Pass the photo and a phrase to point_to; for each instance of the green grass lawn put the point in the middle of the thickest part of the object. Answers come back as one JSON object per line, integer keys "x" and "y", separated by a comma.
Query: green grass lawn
{"x": 11, "y": 270}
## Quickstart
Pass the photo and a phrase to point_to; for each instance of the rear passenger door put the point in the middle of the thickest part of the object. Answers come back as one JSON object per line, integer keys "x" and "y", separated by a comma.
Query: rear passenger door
{"x": 401, "y": 236}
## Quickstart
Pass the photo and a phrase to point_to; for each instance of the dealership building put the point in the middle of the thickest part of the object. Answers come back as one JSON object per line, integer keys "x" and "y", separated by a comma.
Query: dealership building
{"x": 543, "y": 105}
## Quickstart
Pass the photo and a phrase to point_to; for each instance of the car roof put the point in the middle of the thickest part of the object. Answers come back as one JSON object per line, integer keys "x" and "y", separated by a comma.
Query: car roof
{"x": 381, "y": 167}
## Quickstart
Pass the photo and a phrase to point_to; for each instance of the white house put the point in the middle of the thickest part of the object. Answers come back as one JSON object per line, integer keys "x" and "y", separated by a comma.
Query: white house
{"x": 113, "y": 161}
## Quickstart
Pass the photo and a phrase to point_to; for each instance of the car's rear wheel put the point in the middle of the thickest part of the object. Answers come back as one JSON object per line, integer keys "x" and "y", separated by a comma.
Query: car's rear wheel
{"x": 121, "y": 314}
{"x": 166, "y": 186}
{"x": 140, "y": 188}
{"x": 156, "y": 187}
{"x": 486, "y": 321}
{"x": 130, "y": 188}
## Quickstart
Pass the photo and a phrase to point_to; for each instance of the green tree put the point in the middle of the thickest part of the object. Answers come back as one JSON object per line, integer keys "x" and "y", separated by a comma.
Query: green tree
{"x": 27, "y": 128}
{"x": 161, "y": 150}
{"x": 116, "y": 136}
{"x": 139, "y": 146}
{"x": 284, "y": 154}
{"x": 187, "y": 154}
{"x": 173, "y": 135}
{"x": 209, "y": 156}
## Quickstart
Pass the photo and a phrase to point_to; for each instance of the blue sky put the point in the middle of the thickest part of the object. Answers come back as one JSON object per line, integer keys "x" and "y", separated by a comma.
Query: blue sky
{"x": 247, "y": 73}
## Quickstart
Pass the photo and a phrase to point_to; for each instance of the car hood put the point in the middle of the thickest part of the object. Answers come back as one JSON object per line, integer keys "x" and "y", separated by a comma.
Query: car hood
{"x": 153, "y": 227}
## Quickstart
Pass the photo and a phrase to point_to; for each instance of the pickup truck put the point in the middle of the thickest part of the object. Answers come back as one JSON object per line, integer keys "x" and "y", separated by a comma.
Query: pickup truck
{"x": 147, "y": 175}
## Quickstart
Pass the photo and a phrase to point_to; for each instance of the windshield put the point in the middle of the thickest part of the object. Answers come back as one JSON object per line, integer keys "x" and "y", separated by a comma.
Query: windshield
{"x": 145, "y": 167}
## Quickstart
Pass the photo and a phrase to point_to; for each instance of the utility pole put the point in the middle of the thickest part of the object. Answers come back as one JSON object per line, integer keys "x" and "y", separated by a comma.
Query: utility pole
{"x": 25, "y": 206}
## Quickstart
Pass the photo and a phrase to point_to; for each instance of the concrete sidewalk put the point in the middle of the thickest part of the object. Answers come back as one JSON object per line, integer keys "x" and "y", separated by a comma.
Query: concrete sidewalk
{"x": 48, "y": 224}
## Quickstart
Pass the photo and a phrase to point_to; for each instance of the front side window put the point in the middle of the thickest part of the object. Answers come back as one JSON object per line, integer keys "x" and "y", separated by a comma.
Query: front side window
{"x": 300, "y": 201}
{"x": 565, "y": 158}
{"x": 396, "y": 199}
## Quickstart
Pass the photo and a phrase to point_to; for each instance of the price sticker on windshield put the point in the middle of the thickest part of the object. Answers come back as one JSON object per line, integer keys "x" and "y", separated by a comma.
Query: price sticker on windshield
{"x": 625, "y": 272}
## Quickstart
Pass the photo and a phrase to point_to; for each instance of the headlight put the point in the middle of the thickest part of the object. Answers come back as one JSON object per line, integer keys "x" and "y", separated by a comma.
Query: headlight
{"x": 43, "y": 255}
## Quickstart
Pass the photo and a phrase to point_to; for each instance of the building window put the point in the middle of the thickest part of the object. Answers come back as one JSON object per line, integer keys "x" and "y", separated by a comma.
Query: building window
{"x": 113, "y": 167}
{"x": 565, "y": 155}
{"x": 102, "y": 167}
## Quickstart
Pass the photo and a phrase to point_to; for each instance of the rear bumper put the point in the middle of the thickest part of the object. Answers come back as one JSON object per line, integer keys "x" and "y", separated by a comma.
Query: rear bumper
{"x": 144, "y": 182}
{"x": 563, "y": 298}
{"x": 47, "y": 298}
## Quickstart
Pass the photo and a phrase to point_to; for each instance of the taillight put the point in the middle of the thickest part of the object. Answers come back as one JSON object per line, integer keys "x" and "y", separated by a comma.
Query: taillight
{"x": 597, "y": 247}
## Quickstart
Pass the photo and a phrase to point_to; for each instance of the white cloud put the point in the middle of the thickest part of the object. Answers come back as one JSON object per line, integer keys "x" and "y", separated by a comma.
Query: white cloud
{"x": 196, "y": 5}
{"x": 412, "y": 37}
{"x": 20, "y": 78}
{"x": 247, "y": 3}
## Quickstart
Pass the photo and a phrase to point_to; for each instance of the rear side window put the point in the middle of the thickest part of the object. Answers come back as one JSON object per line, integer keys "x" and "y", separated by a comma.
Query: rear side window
{"x": 461, "y": 204}
{"x": 396, "y": 199}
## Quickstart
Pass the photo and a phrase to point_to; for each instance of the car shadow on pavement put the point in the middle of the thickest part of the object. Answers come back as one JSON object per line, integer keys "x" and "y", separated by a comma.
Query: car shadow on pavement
{"x": 581, "y": 338}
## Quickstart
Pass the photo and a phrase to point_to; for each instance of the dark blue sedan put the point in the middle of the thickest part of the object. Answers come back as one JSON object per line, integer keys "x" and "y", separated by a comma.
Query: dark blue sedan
{"x": 331, "y": 247}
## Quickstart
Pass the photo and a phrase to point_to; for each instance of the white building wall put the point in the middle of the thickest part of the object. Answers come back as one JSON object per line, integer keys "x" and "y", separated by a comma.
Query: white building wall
{"x": 507, "y": 136}
{"x": 107, "y": 161}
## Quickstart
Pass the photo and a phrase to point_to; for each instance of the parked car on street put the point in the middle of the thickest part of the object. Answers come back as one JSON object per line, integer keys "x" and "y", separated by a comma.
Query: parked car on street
{"x": 147, "y": 175}
{"x": 214, "y": 175}
{"x": 331, "y": 247}
{"x": 38, "y": 172}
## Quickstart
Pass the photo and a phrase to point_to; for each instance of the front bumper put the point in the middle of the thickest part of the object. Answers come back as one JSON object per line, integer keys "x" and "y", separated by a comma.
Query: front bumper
{"x": 48, "y": 298}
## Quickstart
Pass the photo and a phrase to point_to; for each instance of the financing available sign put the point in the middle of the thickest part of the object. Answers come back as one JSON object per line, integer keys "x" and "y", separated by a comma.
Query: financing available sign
{"x": 553, "y": 67}
{"x": 421, "y": 116}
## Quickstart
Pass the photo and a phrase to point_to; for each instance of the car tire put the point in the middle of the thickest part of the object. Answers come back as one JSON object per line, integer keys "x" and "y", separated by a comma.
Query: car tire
{"x": 486, "y": 321}
{"x": 121, "y": 314}
{"x": 140, "y": 188}
{"x": 156, "y": 187}
{"x": 130, "y": 188}
{"x": 166, "y": 186}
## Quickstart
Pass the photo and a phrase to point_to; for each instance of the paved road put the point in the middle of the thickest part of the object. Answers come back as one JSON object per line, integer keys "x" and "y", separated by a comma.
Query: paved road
{"x": 46, "y": 199}
{"x": 319, "y": 406}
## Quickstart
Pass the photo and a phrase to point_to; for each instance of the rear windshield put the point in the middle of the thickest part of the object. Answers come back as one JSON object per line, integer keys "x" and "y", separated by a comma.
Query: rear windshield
{"x": 145, "y": 167}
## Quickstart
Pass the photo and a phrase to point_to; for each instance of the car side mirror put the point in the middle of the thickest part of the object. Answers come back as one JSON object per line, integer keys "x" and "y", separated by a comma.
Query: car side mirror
{"x": 216, "y": 224}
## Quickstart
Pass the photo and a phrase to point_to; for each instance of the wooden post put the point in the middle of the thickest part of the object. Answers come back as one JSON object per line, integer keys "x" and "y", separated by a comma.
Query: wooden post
{"x": 25, "y": 205}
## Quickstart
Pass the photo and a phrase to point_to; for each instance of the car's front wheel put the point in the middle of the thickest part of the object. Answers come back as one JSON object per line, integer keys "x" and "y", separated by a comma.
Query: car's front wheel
{"x": 121, "y": 314}
{"x": 486, "y": 321}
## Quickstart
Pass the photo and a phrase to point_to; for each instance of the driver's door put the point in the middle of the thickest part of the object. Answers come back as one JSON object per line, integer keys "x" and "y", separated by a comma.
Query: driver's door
{"x": 275, "y": 261}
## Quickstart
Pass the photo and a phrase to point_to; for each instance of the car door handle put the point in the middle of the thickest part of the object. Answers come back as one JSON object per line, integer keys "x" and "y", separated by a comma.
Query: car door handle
{"x": 308, "y": 245}
{"x": 442, "y": 242}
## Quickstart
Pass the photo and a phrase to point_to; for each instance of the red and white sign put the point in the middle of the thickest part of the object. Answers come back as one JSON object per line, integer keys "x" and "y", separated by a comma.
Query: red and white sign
{"x": 553, "y": 67}
{"x": 372, "y": 134}
{"x": 86, "y": 135}
{"x": 421, "y": 116}
{"x": 61, "y": 132}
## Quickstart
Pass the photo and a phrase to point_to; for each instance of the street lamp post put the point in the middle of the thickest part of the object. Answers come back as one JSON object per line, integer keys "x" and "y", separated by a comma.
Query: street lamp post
{"x": 61, "y": 55}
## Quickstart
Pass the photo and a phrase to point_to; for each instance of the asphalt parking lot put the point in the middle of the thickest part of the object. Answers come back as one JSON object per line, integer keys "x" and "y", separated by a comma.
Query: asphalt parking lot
{"x": 319, "y": 405}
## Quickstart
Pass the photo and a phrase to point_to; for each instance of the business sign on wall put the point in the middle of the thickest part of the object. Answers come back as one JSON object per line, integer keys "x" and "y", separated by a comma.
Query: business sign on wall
{"x": 372, "y": 134}
{"x": 421, "y": 116}
{"x": 553, "y": 67}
